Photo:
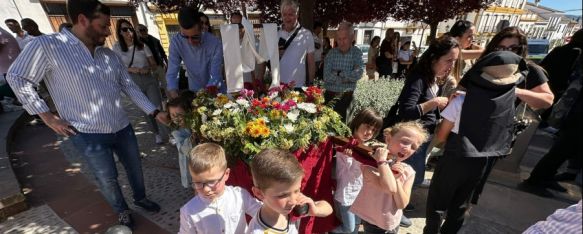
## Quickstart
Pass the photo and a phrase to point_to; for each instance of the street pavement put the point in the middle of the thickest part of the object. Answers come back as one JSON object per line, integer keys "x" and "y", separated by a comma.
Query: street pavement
{"x": 502, "y": 208}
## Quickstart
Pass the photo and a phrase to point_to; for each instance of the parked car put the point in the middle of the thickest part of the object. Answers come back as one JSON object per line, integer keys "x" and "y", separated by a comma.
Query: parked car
{"x": 364, "y": 48}
{"x": 537, "y": 49}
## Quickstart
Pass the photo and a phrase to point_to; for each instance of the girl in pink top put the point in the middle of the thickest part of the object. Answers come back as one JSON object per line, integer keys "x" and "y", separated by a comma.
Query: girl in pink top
{"x": 386, "y": 189}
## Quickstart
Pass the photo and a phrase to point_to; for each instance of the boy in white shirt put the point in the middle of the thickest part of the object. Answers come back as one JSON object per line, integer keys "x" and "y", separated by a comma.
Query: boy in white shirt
{"x": 216, "y": 208}
{"x": 277, "y": 177}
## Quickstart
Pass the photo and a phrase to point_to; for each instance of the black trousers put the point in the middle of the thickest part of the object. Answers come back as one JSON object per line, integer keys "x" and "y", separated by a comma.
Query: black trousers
{"x": 342, "y": 104}
{"x": 452, "y": 186}
{"x": 567, "y": 146}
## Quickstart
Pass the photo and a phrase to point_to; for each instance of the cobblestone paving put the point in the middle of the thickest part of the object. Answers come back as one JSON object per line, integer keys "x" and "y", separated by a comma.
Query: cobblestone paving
{"x": 39, "y": 219}
{"x": 161, "y": 173}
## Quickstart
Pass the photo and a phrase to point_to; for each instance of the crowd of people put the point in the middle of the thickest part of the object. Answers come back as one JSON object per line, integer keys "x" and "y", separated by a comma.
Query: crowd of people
{"x": 85, "y": 81}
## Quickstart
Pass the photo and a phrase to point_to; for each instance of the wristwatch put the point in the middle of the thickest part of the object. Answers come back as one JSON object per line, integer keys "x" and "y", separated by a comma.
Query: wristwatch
{"x": 155, "y": 113}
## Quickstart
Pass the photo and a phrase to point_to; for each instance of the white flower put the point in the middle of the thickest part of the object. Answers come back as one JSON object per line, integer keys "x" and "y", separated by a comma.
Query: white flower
{"x": 203, "y": 118}
{"x": 229, "y": 105}
{"x": 289, "y": 128}
{"x": 293, "y": 115}
{"x": 242, "y": 102}
{"x": 308, "y": 107}
{"x": 235, "y": 110}
{"x": 273, "y": 95}
{"x": 217, "y": 112}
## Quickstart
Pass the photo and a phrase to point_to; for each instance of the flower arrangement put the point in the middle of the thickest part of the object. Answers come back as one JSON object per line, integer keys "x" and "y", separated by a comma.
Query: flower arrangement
{"x": 246, "y": 123}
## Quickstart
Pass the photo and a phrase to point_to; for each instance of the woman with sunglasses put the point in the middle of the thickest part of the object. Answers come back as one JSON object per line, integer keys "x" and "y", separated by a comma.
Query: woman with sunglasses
{"x": 140, "y": 62}
{"x": 534, "y": 90}
{"x": 445, "y": 195}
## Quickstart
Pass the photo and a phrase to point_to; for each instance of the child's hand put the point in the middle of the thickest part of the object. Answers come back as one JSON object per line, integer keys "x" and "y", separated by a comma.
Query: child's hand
{"x": 398, "y": 168}
{"x": 348, "y": 152}
{"x": 381, "y": 154}
{"x": 303, "y": 199}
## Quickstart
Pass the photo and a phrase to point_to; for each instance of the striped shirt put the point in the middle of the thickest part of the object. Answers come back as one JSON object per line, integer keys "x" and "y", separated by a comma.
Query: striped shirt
{"x": 350, "y": 66}
{"x": 86, "y": 89}
{"x": 563, "y": 221}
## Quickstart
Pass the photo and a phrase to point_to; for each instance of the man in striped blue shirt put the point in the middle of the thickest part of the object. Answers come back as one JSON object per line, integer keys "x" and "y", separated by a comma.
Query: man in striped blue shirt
{"x": 343, "y": 67}
{"x": 86, "y": 81}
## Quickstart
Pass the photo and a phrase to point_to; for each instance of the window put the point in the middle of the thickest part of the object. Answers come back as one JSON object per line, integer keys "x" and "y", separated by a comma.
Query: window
{"x": 57, "y": 14}
{"x": 367, "y": 36}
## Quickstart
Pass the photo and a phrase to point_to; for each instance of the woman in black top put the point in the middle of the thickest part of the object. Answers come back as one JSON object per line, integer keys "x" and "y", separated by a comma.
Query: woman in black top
{"x": 419, "y": 99}
{"x": 534, "y": 90}
{"x": 387, "y": 54}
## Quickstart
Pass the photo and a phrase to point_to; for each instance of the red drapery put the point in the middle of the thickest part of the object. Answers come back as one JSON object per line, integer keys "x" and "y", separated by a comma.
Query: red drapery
{"x": 317, "y": 182}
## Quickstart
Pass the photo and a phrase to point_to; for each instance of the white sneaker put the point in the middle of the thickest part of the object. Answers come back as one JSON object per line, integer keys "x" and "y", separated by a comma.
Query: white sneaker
{"x": 159, "y": 140}
{"x": 172, "y": 141}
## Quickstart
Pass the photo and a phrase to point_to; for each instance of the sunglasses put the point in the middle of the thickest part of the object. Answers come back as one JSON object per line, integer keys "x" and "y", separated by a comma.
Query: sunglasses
{"x": 127, "y": 29}
{"x": 193, "y": 38}
{"x": 513, "y": 48}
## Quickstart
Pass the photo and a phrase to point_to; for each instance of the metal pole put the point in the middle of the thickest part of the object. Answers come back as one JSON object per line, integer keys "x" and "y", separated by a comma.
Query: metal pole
{"x": 17, "y": 10}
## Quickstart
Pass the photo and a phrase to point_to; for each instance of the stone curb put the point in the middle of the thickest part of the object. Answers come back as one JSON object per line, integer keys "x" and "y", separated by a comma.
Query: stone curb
{"x": 12, "y": 200}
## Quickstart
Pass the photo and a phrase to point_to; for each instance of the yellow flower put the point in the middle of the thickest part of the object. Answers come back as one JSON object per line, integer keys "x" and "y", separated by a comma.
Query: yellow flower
{"x": 221, "y": 100}
{"x": 275, "y": 114}
{"x": 264, "y": 131}
{"x": 201, "y": 110}
{"x": 255, "y": 131}
{"x": 260, "y": 121}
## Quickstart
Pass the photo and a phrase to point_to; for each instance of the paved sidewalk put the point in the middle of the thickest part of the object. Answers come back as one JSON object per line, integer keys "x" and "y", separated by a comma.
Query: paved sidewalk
{"x": 50, "y": 172}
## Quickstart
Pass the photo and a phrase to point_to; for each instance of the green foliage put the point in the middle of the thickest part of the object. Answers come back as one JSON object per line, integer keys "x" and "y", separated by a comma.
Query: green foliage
{"x": 378, "y": 94}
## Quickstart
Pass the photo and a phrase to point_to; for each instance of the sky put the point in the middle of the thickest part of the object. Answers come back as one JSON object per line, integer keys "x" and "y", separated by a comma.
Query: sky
{"x": 563, "y": 5}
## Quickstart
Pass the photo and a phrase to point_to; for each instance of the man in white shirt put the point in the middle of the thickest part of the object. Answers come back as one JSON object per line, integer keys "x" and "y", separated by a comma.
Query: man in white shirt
{"x": 21, "y": 36}
{"x": 300, "y": 49}
{"x": 86, "y": 80}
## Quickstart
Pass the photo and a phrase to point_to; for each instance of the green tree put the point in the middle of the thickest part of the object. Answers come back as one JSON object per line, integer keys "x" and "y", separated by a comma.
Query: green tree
{"x": 432, "y": 12}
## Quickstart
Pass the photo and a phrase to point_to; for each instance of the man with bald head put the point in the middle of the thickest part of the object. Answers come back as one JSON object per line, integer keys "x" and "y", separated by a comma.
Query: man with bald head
{"x": 343, "y": 67}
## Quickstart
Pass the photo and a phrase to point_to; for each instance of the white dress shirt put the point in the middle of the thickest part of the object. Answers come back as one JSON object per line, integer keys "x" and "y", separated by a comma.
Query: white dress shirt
{"x": 225, "y": 214}
{"x": 86, "y": 88}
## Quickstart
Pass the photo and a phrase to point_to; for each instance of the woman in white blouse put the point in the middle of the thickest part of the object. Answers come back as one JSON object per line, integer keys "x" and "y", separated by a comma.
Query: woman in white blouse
{"x": 140, "y": 63}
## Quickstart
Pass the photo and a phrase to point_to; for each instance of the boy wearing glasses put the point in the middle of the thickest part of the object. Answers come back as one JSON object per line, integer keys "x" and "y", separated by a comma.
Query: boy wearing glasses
{"x": 216, "y": 208}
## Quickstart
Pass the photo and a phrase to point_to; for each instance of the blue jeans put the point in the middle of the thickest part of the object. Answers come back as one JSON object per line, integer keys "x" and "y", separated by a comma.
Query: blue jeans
{"x": 417, "y": 162}
{"x": 97, "y": 149}
{"x": 183, "y": 144}
{"x": 349, "y": 220}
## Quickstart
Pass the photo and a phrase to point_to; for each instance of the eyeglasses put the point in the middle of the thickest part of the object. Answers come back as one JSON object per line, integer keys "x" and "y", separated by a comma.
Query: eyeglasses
{"x": 513, "y": 48}
{"x": 143, "y": 30}
{"x": 193, "y": 38}
{"x": 127, "y": 29}
{"x": 210, "y": 184}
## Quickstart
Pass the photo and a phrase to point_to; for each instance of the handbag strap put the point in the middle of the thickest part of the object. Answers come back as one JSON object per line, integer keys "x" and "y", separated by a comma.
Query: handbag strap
{"x": 291, "y": 38}
{"x": 133, "y": 54}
